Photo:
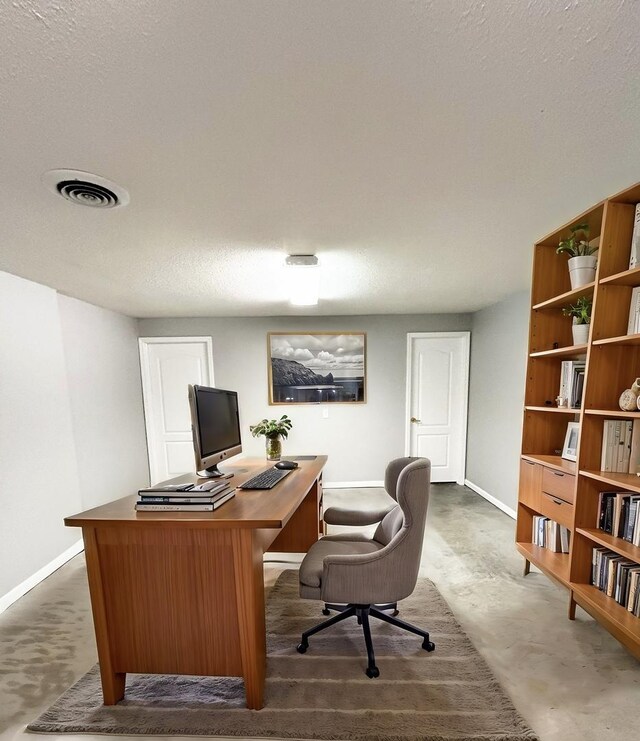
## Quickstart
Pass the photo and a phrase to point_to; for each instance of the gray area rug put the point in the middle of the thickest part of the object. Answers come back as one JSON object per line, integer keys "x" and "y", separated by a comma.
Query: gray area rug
{"x": 323, "y": 694}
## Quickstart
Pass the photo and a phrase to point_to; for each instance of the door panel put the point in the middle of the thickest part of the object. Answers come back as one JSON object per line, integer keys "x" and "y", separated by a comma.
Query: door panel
{"x": 437, "y": 401}
{"x": 169, "y": 365}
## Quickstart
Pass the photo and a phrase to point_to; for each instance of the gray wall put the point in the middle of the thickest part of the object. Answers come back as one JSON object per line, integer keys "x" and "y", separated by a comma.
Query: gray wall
{"x": 496, "y": 396}
{"x": 71, "y": 422}
{"x": 105, "y": 393}
{"x": 359, "y": 439}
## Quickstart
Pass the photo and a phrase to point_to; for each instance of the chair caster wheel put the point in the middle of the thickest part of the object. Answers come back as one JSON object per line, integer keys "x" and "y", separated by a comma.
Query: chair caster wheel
{"x": 429, "y": 646}
{"x": 395, "y": 613}
{"x": 372, "y": 672}
{"x": 301, "y": 648}
{"x": 326, "y": 612}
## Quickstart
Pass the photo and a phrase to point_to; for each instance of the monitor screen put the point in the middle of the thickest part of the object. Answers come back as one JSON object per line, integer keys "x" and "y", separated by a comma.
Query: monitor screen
{"x": 217, "y": 420}
{"x": 216, "y": 426}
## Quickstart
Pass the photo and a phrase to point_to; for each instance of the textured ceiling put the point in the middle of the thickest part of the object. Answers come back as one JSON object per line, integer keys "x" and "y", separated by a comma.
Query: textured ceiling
{"x": 418, "y": 148}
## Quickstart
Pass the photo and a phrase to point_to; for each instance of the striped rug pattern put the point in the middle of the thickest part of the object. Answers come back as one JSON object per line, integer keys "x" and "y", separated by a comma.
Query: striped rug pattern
{"x": 324, "y": 694}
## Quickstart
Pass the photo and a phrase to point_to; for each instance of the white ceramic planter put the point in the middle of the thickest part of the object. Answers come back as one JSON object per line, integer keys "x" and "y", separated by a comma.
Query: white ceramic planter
{"x": 580, "y": 333}
{"x": 582, "y": 270}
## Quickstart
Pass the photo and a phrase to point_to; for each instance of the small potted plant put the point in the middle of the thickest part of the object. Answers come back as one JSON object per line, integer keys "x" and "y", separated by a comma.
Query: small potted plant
{"x": 582, "y": 258}
{"x": 581, "y": 313}
{"x": 273, "y": 430}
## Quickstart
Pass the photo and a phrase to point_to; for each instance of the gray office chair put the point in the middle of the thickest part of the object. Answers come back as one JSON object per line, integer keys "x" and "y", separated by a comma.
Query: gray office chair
{"x": 363, "y": 576}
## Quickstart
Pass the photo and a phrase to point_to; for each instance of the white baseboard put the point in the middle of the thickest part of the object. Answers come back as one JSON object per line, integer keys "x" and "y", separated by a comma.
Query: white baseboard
{"x": 28, "y": 584}
{"x": 496, "y": 502}
{"x": 352, "y": 484}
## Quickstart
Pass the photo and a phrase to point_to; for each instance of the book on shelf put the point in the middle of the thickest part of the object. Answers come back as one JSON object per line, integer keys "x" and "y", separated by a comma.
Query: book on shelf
{"x": 633, "y": 326}
{"x": 617, "y": 443}
{"x": 617, "y": 577}
{"x": 634, "y": 257}
{"x": 619, "y": 515}
{"x": 572, "y": 382}
{"x": 547, "y": 533}
{"x": 143, "y": 506}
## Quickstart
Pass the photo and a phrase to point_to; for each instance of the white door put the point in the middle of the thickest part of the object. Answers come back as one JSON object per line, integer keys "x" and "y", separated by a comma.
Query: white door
{"x": 168, "y": 366}
{"x": 437, "y": 394}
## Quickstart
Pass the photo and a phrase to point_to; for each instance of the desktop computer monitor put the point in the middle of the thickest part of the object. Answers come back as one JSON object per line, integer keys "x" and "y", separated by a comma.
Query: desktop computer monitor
{"x": 216, "y": 427}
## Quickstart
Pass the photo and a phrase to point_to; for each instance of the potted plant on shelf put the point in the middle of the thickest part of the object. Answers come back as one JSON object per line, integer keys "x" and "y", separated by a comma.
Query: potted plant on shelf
{"x": 582, "y": 258}
{"x": 581, "y": 313}
{"x": 273, "y": 430}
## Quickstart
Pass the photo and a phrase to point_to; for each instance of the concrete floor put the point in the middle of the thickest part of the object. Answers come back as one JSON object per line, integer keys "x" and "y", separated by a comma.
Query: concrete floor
{"x": 571, "y": 680}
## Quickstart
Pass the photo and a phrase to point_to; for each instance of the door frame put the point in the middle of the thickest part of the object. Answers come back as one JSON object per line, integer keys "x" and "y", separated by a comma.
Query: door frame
{"x": 466, "y": 336}
{"x": 143, "y": 348}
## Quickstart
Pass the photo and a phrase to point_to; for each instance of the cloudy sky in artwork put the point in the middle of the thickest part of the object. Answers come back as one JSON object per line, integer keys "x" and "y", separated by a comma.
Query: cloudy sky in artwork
{"x": 323, "y": 353}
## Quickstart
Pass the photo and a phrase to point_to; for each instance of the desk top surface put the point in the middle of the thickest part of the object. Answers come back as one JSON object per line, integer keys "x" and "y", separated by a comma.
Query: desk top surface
{"x": 269, "y": 508}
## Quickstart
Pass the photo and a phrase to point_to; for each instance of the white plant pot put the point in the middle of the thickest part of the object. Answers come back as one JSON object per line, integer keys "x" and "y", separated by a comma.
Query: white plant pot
{"x": 580, "y": 333}
{"x": 582, "y": 270}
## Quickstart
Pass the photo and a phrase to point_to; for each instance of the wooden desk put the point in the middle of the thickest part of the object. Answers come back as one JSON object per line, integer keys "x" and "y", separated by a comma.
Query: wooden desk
{"x": 183, "y": 592}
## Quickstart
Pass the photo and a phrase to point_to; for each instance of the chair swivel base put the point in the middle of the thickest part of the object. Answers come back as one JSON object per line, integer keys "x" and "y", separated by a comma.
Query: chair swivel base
{"x": 362, "y": 613}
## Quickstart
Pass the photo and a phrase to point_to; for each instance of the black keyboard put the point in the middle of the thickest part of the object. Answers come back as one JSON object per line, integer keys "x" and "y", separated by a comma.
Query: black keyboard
{"x": 266, "y": 479}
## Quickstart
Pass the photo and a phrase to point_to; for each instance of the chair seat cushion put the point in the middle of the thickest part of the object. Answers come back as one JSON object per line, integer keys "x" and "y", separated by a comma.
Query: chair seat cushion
{"x": 311, "y": 566}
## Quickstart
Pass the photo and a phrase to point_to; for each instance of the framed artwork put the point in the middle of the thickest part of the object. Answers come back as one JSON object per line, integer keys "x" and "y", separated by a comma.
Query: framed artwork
{"x": 318, "y": 368}
{"x": 570, "y": 447}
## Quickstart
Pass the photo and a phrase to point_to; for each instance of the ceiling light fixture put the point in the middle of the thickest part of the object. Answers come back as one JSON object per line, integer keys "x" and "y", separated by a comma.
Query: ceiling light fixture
{"x": 303, "y": 279}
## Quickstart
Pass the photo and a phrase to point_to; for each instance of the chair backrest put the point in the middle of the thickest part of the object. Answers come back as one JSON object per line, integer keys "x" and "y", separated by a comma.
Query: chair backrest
{"x": 408, "y": 481}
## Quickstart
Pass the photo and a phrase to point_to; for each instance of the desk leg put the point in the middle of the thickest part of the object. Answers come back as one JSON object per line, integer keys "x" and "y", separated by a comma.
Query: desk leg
{"x": 249, "y": 581}
{"x": 113, "y": 683}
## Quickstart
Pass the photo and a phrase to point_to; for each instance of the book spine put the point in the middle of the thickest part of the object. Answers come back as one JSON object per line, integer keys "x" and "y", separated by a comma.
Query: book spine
{"x": 145, "y": 507}
{"x": 634, "y": 257}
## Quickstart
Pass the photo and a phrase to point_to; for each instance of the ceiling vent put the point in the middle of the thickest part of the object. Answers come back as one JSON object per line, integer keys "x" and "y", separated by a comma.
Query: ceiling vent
{"x": 85, "y": 189}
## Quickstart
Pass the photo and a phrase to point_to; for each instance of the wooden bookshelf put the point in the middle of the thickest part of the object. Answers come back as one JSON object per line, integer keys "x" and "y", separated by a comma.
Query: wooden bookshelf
{"x": 551, "y": 486}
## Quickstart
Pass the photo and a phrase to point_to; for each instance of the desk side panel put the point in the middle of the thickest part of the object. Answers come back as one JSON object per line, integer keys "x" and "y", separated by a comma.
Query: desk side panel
{"x": 170, "y": 600}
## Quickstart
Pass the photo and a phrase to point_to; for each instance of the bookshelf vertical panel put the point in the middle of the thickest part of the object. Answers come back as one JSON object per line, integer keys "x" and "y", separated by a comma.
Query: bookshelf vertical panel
{"x": 611, "y": 315}
{"x": 550, "y": 274}
{"x": 581, "y": 554}
{"x": 543, "y": 433}
{"x": 612, "y": 368}
{"x": 543, "y": 382}
{"x": 549, "y": 330}
{"x": 615, "y": 244}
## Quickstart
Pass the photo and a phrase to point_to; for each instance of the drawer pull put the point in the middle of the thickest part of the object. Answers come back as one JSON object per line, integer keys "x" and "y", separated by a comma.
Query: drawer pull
{"x": 555, "y": 473}
{"x": 557, "y": 501}
{"x": 530, "y": 463}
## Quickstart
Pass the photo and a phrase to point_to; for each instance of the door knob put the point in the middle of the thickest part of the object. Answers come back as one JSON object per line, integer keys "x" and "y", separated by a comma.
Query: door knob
{"x": 413, "y": 419}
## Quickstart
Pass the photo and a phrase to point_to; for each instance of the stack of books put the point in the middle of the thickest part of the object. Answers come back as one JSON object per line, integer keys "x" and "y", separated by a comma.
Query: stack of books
{"x": 549, "y": 534}
{"x": 621, "y": 446}
{"x": 619, "y": 515}
{"x": 617, "y": 577}
{"x": 572, "y": 382}
{"x": 633, "y": 326}
{"x": 185, "y": 497}
{"x": 634, "y": 257}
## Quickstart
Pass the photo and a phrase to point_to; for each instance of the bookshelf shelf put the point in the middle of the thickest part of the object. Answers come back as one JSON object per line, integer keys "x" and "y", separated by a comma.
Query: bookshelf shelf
{"x": 627, "y": 481}
{"x": 625, "y": 278}
{"x": 612, "y": 413}
{"x": 562, "y": 490}
{"x": 553, "y": 564}
{"x": 565, "y": 298}
{"x": 561, "y": 352}
{"x": 624, "y": 625}
{"x": 553, "y": 461}
{"x": 628, "y": 339}
{"x": 556, "y": 410}
{"x": 620, "y": 546}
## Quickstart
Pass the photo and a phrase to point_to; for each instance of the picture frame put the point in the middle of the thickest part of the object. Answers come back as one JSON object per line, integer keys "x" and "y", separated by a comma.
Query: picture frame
{"x": 317, "y": 367}
{"x": 570, "y": 447}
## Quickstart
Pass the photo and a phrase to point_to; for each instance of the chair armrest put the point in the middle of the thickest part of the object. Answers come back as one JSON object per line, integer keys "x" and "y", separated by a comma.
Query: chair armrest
{"x": 341, "y": 516}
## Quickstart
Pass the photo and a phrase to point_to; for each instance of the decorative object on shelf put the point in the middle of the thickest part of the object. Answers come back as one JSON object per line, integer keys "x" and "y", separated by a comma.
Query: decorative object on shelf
{"x": 582, "y": 258}
{"x": 570, "y": 447}
{"x": 562, "y": 401}
{"x": 629, "y": 397}
{"x": 273, "y": 430}
{"x": 581, "y": 313}
{"x": 320, "y": 368}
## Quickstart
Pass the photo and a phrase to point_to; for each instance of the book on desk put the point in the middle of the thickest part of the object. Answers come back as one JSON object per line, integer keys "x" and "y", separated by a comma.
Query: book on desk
{"x": 205, "y": 497}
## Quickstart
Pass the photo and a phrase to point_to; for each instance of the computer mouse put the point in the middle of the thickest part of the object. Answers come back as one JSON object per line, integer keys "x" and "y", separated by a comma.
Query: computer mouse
{"x": 286, "y": 465}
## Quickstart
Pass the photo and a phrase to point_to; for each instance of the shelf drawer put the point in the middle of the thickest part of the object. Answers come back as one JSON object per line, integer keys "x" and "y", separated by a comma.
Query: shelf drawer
{"x": 530, "y": 484}
{"x": 556, "y": 509}
{"x": 558, "y": 484}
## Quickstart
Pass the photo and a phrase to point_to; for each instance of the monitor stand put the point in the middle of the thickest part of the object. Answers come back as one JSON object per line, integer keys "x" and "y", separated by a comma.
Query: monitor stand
{"x": 213, "y": 472}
